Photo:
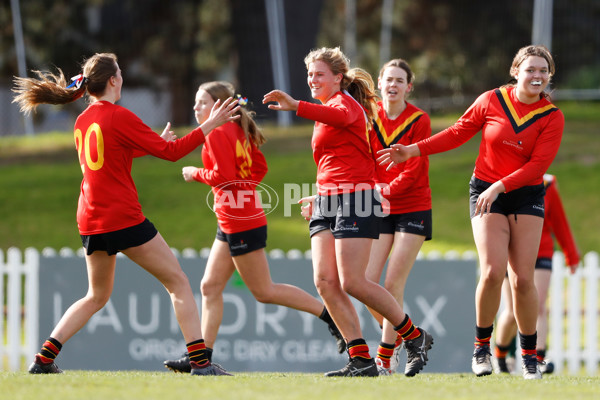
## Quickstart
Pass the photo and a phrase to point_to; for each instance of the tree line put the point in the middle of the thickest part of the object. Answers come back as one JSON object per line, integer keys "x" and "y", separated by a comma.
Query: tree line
{"x": 456, "y": 48}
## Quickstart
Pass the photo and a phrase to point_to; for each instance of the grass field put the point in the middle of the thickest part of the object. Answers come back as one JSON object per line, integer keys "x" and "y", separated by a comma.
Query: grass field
{"x": 40, "y": 179}
{"x": 280, "y": 386}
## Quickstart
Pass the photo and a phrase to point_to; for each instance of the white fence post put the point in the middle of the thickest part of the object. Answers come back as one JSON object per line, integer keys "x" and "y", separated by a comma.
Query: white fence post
{"x": 13, "y": 303}
{"x": 2, "y": 269}
{"x": 32, "y": 265}
{"x": 557, "y": 310}
{"x": 19, "y": 315}
{"x": 574, "y": 321}
{"x": 591, "y": 272}
{"x": 574, "y": 315}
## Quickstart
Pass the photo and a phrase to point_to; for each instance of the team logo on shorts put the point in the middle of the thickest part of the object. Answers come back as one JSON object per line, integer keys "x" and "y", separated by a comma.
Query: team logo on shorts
{"x": 416, "y": 224}
{"x": 239, "y": 246}
{"x": 354, "y": 227}
{"x": 538, "y": 207}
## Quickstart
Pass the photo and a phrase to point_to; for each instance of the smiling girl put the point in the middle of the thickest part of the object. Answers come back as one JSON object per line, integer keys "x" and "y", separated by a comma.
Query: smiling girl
{"x": 406, "y": 189}
{"x": 521, "y": 132}
{"x": 234, "y": 166}
{"x": 109, "y": 216}
{"x": 345, "y": 219}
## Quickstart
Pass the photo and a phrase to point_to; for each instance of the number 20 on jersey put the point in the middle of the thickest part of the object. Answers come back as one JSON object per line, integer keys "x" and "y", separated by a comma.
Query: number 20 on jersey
{"x": 92, "y": 143}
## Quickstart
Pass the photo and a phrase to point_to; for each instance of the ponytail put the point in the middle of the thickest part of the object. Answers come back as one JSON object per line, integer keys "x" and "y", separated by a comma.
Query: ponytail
{"x": 251, "y": 129}
{"x": 51, "y": 88}
{"x": 360, "y": 85}
{"x": 48, "y": 88}
{"x": 221, "y": 90}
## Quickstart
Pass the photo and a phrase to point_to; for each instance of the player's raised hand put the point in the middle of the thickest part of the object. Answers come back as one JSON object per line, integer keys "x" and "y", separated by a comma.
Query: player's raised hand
{"x": 284, "y": 101}
{"x": 167, "y": 134}
{"x": 220, "y": 114}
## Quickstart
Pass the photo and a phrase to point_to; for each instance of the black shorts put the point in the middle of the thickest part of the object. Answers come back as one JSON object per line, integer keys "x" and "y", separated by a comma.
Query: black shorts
{"x": 417, "y": 223}
{"x": 543, "y": 263}
{"x": 113, "y": 242}
{"x": 347, "y": 215}
{"x": 528, "y": 200}
{"x": 241, "y": 243}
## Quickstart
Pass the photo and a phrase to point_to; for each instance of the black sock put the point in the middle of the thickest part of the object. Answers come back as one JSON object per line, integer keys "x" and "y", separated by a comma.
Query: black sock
{"x": 528, "y": 342}
{"x": 483, "y": 335}
{"x": 326, "y": 317}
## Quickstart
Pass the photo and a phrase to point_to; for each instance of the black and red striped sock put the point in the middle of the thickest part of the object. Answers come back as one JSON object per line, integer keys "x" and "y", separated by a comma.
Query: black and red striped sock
{"x": 49, "y": 351}
{"x": 197, "y": 352}
{"x": 359, "y": 348}
{"x": 407, "y": 329}
{"x": 399, "y": 341}
{"x": 385, "y": 351}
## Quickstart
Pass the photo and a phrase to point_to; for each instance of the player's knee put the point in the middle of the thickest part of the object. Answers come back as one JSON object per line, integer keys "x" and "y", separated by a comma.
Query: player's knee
{"x": 210, "y": 287}
{"x": 522, "y": 284}
{"x": 493, "y": 277}
{"x": 97, "y": 300}
{"x": 325, "y": 287}
{"x": 176, "y": 280}
{"x": 351, "y": 285}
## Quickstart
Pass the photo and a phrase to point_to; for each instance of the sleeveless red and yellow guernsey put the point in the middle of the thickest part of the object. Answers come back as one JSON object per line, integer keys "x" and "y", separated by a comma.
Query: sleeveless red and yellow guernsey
{"x": 409, "y": 189}
{"x": 518, "y": 141}
{"x": 233, "y": 166}
{"x": 107, "y": 138}
{"x": 340, "y": 144}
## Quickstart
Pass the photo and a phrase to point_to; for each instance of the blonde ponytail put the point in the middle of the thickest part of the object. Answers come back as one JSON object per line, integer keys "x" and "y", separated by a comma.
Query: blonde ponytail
{"x": 361, "y": 86}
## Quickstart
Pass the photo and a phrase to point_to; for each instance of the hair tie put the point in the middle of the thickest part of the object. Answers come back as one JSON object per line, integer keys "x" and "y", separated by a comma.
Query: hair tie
{"x": 242, "y": 101}
{"x": 78, "y": 80}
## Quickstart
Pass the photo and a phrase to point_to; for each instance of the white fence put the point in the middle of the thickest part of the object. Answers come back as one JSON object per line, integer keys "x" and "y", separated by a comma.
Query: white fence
{"x": 574, "y": 307}
{"x": 573, "y": 322}
{"x": 20, "y": 311}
